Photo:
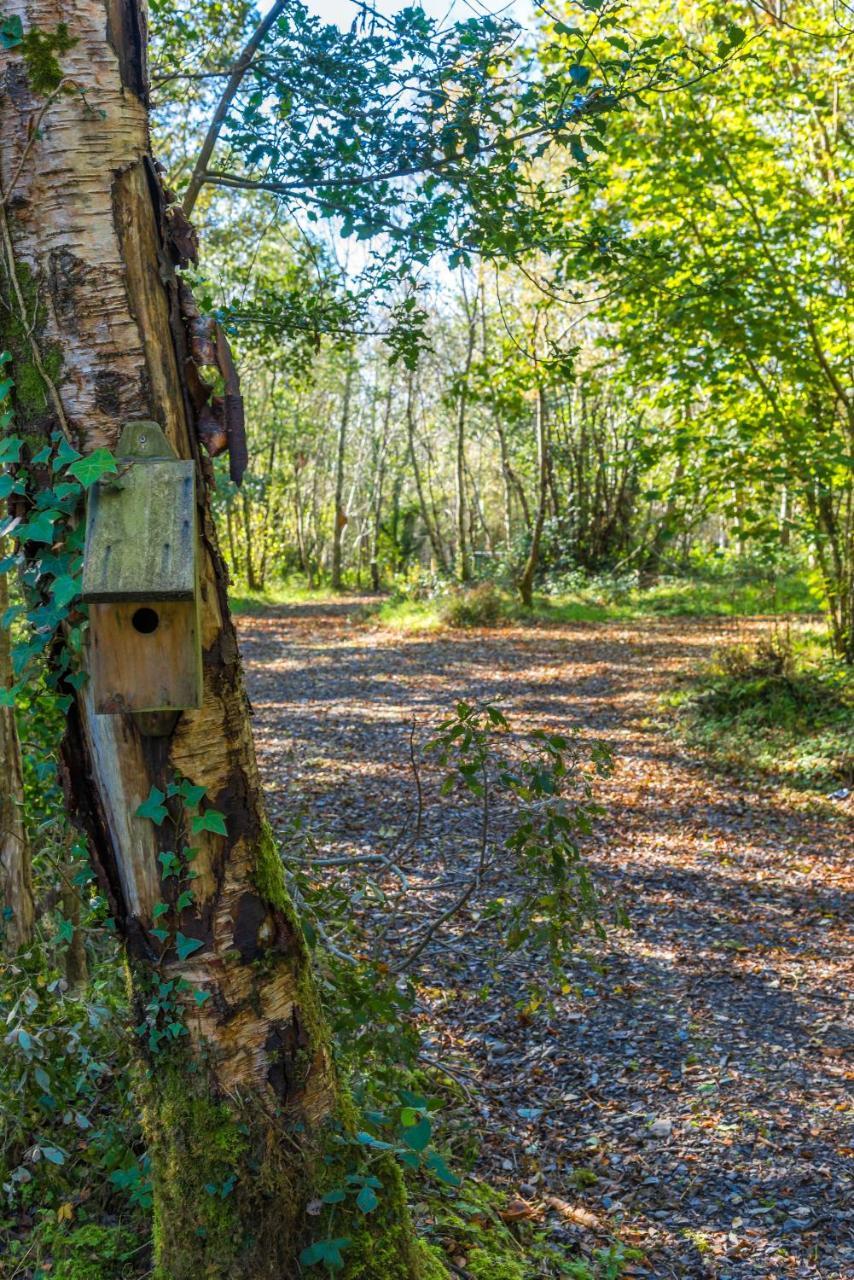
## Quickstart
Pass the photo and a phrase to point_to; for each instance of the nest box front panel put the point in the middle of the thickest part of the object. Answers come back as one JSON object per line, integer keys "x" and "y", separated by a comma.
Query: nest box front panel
{"x": 145, "y": 657}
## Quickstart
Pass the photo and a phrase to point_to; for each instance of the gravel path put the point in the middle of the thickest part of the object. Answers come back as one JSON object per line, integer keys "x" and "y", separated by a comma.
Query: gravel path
{"x": 690, "y": 1090}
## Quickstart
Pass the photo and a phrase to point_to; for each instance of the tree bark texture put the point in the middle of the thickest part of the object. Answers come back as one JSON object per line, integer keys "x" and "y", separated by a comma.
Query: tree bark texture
{"x": 249, "y": 1091}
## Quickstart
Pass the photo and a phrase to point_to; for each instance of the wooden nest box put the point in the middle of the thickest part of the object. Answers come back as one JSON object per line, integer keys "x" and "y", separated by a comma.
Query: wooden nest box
{"x": 141, "y": 579}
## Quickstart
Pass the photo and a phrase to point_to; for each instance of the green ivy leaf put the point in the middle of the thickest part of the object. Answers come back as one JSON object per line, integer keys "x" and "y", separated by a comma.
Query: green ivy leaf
{"x": 93, "y": 466}
{"x": 210, "y": 820}
{"x": 65, "y": 589}
{"x": 186, "y": 946}
{"x": 367, "y": 1200}
{"x": 417, "y": 1136}
{"x": 11, "y": 32}
{"x": 191, "y": 794}
{"x": 65, "y": 455}
{"x": 437, "y": 1166}
{"x": 153, "y": 808}
{"x": 368, "y": 1140}
{"x": 40, "y": 527}
{"x": 335, "y": 1197}
{"x": 169, "y": 863}
{"x": 53, "y": 1154}
{"x": 327, "y": 1252}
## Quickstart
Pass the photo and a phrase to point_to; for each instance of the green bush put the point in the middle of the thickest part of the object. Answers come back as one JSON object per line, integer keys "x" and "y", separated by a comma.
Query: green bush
{"x": 478, "y": 606}
{"x": 774, "y": 708}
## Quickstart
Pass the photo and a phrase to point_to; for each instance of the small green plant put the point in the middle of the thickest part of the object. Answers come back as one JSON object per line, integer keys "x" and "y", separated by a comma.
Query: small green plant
{"x": 547, "y": 780}
{"x": 477, "y": 606}
{"x": 163, "y": 1017}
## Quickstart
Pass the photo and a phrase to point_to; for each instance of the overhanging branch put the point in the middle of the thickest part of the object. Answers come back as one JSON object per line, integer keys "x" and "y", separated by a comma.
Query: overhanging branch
{"x": 199, "y": 174}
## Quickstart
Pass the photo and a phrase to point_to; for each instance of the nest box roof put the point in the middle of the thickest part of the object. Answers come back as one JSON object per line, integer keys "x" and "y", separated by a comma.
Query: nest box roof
{"x": 141, "y": 524}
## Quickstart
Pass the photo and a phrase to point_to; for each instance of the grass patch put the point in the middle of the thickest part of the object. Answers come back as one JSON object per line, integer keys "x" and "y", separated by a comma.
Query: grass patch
{"x": 472, "y": 1231}
{"x": 775, "y": 709}
{"x": 406, "y": 615}
{"x": 279, "y": 595}
{"x": 599, "y": 600}
{"x": 609, "y": 599}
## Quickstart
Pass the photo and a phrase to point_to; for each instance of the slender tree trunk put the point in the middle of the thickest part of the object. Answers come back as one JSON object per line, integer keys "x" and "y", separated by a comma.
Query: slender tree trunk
{"x": 16, "y": 881}
{"x": 379, "y": 482}
{"x": 305, "y": 560}
{"x": 510, "y": 476}
{"x": 526, "y": 581}
{"x": 268, "y": 522}
{"x": 76, "y": 968}
{"x": 429, "y": 525}
{"x": 340, "y": 515}
{"x": 246, "y": 511}
{"x": 463, "y": 559}
{"x": 232, "y": 541}
{"x": 246, "y": 1095}
{"x": 507, "y": 494}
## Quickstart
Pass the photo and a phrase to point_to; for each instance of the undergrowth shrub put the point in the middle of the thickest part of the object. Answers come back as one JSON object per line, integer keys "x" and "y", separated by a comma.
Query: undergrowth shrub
{"x": 776, "y": 706}
{"x": 477, "y": 606}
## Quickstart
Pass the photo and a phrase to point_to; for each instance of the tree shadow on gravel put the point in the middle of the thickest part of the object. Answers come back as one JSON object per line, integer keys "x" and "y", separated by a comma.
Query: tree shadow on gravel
{"x": 719, "y": 1014}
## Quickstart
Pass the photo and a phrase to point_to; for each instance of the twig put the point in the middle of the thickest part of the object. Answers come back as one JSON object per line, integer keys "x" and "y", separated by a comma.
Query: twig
{"x": 33, "y": 134}
{"x": 199, "y": 174}
{"x": 416, "y": 773}
{"x": 431, "y": 929}
{"x": 351, "y": 860}
{"x": 302, "y": 909}
{"x": 22, "y": 310}
{"x": 451, "y": 1074}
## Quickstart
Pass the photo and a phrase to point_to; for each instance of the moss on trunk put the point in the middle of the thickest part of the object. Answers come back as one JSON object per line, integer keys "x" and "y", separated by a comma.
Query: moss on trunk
{"x": 239, "y": 1179}
{"x": 234, "y": 1186}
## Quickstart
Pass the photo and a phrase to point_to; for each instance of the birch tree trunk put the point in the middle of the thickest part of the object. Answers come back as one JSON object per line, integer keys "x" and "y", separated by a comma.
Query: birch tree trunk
{"x": 16, "y": 882}
{"x": 430, "y": 525}
{"x": 247, "y": 1094}
{"x": 340, "y": 514}
{"x": 463, "y": 562}
{"x": 379, "y": 482}
{"x": 526, "y": 581}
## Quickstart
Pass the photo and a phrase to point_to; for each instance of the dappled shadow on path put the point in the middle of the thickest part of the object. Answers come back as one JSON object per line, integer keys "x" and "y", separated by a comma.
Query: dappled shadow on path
{"x": 694, "y": 1066}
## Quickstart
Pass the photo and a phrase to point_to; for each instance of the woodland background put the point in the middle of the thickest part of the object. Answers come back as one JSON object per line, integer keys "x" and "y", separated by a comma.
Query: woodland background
{"x": 566, "y": 378}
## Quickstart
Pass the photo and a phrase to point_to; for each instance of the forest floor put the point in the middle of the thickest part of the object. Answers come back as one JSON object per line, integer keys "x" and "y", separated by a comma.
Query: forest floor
{"x": 688, "y": 1093}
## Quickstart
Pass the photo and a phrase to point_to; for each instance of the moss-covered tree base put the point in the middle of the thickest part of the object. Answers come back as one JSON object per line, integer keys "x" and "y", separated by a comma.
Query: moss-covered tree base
{"x": 238, "y": 1192}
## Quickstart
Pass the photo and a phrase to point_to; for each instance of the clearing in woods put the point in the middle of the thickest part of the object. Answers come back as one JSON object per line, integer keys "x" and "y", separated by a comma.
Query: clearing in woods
{"x": 690, "y": 1090}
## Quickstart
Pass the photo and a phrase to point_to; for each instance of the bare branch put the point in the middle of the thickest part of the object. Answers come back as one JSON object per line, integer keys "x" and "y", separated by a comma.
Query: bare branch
{"x": 240, "y": 68}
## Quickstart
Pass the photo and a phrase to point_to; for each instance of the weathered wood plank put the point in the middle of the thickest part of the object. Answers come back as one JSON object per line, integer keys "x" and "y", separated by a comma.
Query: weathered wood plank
{"x": 141, "y": 534}
{"x": 133, "y": 670}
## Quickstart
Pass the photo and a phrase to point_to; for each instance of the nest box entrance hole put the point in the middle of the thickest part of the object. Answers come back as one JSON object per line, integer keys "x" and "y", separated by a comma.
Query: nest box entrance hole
{"x": 145, "y": 620}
